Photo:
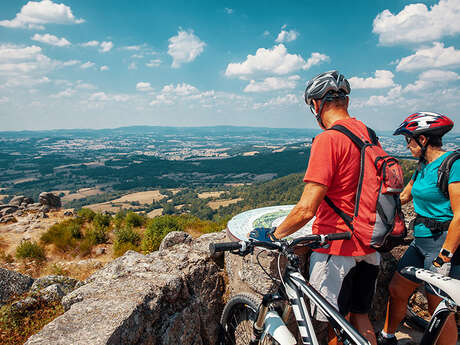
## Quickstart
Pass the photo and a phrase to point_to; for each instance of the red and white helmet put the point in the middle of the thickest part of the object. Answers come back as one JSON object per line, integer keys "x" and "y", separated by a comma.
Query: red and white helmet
{"x": 425, "y": 123}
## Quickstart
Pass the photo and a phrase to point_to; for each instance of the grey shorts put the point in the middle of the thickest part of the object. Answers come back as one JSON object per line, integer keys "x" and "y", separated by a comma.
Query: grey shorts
{"x": 421, "y": 253}
{"x": 347, "y": 282}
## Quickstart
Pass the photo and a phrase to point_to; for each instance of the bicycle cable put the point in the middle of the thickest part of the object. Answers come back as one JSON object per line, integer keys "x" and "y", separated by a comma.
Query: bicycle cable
{"x": 262, "y": 267}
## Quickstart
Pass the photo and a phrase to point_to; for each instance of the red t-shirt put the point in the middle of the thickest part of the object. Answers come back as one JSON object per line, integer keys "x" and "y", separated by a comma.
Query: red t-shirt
{"x": 335, "y": 163}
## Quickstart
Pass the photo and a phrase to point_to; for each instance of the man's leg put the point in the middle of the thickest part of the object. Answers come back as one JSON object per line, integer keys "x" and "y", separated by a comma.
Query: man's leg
{"x": 364, "y": 326}
{"x": 449, "y": 333}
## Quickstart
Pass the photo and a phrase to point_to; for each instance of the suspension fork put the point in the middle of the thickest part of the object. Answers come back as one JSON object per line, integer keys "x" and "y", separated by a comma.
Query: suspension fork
{"x": 437, "y": 322}
{"x": 259, "y": 323}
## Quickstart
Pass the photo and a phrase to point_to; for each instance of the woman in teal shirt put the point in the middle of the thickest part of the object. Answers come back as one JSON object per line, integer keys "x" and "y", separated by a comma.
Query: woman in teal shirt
{"x": 436, "y": 227}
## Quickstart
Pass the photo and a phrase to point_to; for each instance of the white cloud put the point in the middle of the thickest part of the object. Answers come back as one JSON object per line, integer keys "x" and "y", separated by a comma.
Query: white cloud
{"x": 70, "y": 63}
{"x": 143, "y": 86}
{"x": 229, "y": 10}
{"x": 87, "y": 65}
{"x": 271, "y": 84}
{"x": 286, "y": 35}
{"x": 434, "y": 57}
{"x": 428, "y": 80}
{"x": 85, "y": 86}
{"x": 103, "y": 97}
{"x": 274, "y": 61}
{"x": 106, "y": 46}
{"x": 20, "y": 60}
{"x": 34, "y": 15}
{"x": 104, "y": 68}
{"x": 288, "y": 99}
{"x": 185, "y": 47}
{"x": 417, "y": 23}
{"x": 90, "y": 44}
{"x": 132, "y": 65}
{"x": 381, "y": 80}
{"x": 153, "y": 63}
{"x": 50, "y": 39}
{"x": 180, "y": 89}
{"x": 4, "y": 100}
{"x": 132, "y": 48}
{"x": 315, "y": 59}
{"x": 266, "y": 33}
{"x": 25, "y": 81}
{"x": 65, "y": 93}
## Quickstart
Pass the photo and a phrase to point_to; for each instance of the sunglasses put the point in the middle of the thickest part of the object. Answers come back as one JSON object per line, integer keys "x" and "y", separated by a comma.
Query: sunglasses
{"x": 408, "y": 139}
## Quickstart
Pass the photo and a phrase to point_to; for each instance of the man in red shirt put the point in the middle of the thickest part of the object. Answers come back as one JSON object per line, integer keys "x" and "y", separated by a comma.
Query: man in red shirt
{"x": 344, "y": 273}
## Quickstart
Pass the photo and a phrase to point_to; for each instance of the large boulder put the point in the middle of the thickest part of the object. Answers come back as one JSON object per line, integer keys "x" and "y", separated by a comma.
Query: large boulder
{"x": 173, "y": 238}
{"x": 13, "y": 284}
{"x": 167, "y": 297}
{"x": 49, "y": 199}
{"x": 67, "y": 284}
{"x": 21, "y": 200}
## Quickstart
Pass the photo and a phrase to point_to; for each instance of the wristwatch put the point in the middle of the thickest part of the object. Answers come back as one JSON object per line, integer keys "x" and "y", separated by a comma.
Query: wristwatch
{"x": 438, "y": 262}
{"x": 446, "y": 253}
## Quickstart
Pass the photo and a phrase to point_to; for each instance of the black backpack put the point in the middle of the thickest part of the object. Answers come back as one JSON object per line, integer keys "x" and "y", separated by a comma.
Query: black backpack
{"x": 444, "y": 172}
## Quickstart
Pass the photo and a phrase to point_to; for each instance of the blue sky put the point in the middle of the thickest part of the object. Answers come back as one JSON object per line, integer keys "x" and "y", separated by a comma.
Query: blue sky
{"x": 104, "y": 64}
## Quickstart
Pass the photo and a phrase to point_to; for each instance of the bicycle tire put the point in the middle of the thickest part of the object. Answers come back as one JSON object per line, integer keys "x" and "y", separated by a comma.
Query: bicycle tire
{"x": 238, "y": 318}
{"x": 419, "y": 322}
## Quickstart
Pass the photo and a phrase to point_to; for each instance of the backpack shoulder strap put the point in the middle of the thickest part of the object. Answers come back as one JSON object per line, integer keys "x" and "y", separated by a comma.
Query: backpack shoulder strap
{"x": 444, "y": 172}
{"x": 374, "y": 138}
{"x": 342, "y": 129}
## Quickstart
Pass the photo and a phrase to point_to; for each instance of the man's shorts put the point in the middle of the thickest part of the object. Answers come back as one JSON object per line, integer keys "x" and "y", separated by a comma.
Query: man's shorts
{"x": 421, "y": 253}
{"x": 347, "y": 282}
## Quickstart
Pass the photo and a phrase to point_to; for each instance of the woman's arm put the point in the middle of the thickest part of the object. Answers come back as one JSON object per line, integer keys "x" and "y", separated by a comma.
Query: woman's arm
{"x": 406, "y": 194}
{"x": 453, "y": 234}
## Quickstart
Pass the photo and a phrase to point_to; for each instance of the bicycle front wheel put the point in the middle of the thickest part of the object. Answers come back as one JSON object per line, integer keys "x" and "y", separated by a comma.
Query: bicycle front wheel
{"x": 238, "y": 319}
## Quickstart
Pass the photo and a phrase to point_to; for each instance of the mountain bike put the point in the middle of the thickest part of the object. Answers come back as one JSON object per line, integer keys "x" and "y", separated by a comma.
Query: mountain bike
{"x": 245, "y": 320}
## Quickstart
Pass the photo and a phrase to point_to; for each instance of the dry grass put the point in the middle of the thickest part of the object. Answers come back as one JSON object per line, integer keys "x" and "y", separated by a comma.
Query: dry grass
{"x": 124, "y": 202}
{"x": 218, "y": 203}
{"x": 206, "y": 195}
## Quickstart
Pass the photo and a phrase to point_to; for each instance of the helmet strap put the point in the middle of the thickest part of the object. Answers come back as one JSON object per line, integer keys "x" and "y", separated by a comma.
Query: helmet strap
{"x": 320, "y": 110}
{"x": 422, "y": 158}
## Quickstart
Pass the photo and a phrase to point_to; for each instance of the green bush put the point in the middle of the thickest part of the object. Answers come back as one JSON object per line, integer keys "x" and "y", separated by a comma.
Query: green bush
{"x": 30, "y": 250}
{"x": 119, "y": 218}
{"x": 126, "y": 239}
{"x": 86, "y": 214}
{"x": 157, "y": 229}
{"x": 135, "y": 220}
{"x": 102, "y": 220}
{"x": 63, "y": 235}
{"x": 96, "y": 235}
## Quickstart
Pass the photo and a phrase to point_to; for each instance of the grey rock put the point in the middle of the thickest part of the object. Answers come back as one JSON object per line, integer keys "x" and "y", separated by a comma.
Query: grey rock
{"x": 9, "y": 210}
{"x": 44, "y": 209}
{"x": 68, "y": 213}
{"x": 166, "y": 297}
{"x": 8, "y": 219}
{"x": 49, "y": 199}
{"x": 66, "y": 284}
{"x": 175, "y": 237}
{"x": 99, "y": 251}
{"x": 34, "y": 207}
{"x": 13, "y": 284}
{"x": 52, "y": 293}
{"x": 27, "y": 303}
{"x": 17, "y": 200}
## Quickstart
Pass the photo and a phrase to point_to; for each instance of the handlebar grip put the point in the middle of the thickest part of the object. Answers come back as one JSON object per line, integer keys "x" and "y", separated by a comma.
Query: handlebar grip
{"x": 222, "y": 247}
{"x": 339, "y": 236}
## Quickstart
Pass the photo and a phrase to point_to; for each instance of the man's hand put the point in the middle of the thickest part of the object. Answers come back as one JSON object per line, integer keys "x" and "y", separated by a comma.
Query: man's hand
{"x": 263, "y": 234}
{"x": 441, "y": 267}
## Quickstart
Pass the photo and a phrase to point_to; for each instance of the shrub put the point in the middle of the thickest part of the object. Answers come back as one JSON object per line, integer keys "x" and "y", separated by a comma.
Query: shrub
{"x": 102, "y": 220}
{"x": 86, "y": 214}
{"x": 119, "y": 218}
{"x": 96, "y": 235}
{"x": 135, "y": 220}
{"x": 157, "y": 229}
{"x": 63, "y": 235}
{"x": 126, "y": 239}
{"x": 30, "y": 250}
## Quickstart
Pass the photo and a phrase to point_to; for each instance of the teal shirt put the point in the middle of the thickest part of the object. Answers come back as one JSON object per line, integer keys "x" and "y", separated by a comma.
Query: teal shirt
{"x": 428, "y": 199}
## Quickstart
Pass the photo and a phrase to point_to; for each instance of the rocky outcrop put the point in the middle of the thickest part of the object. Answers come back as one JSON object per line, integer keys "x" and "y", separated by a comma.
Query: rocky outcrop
{"x": 49, "y": 199}
{"x": 173, "y": 238}
{"x": 13, "y": 284}
{"x": 171, "y": 296}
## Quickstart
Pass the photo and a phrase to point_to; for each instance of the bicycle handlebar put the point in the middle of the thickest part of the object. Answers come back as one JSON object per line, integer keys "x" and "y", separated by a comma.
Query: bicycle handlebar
{"x": 309, "y": 240}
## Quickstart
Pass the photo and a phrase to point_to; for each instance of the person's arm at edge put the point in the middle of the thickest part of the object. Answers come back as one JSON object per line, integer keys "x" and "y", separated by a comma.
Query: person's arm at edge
{"x": 453, "y": 234}
{"x": 406, "y": 194}
{"x": 303, "y": 211}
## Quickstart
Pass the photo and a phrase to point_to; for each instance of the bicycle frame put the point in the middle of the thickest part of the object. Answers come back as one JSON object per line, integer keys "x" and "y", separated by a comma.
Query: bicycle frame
{"x": 295, "y": 287}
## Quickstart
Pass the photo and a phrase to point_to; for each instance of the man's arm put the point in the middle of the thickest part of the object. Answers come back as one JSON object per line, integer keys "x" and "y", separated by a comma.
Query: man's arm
{"x": 305, "y": 209}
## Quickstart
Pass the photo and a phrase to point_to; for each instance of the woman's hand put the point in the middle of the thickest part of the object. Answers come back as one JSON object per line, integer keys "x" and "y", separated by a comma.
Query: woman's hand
{"x": 406, "y": 194}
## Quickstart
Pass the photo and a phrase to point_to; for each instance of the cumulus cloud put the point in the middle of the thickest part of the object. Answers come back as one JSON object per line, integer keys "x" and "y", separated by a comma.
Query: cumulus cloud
{"x": 417, "y": 23}
{"x": 50, "y": 39}
{"x": 274, "y": 61}
{"x": 153, "y": 63}
{"x": 433, "y": 57}
{"x": 136, "y": 48}
{"x": 286, "y": 35}
{"x": 143, "y": 86}
{"x": 381, "y": 80}
{"x": 180, "y": 89}
{"x": 90, "y": 44}
{"x": 26, "y": 81}
{"x": 20, "y": 60}
{"x": 185, "y": 47}
{"x": 65, "y": 93}
{"x": 106, "y": 46}
{"x": 70, "y": 63}
{"x": 103, "y": 97}
{"x": 87, "y": 65}
{"x": 288, "y": 99}
{"x": 104, "y": 68}
{"x": 428, "y": 80}
{"x": 34, "y": 15}
{"x": 271, "y": 84}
